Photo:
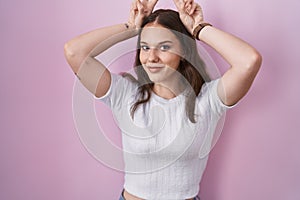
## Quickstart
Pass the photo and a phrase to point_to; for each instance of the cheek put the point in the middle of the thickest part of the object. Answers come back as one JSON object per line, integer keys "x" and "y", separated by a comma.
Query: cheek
{"x": 143, "y": 57}
{"x": 172, "y": 61}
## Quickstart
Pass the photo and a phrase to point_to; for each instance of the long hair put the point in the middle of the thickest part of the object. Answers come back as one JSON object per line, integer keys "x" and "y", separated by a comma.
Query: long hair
{"x": 191, "y": 67}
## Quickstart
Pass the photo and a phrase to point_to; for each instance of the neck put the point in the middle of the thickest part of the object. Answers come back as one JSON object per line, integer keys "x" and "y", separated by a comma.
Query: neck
{"x": 168, "y": 90}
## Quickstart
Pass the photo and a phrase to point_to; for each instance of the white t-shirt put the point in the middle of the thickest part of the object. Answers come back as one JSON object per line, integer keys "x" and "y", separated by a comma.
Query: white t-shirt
{"x": 164, "y": 153}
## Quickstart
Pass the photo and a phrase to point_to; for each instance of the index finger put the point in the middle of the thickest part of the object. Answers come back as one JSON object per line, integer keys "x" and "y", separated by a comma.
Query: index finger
{"x": 179, "y": 4}
{"x": 153, "y": 2}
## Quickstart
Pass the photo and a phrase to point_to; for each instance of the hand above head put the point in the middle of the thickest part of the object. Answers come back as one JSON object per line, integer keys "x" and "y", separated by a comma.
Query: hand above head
{"x": 190, "y": 13}
{"x": 139, "y": 10}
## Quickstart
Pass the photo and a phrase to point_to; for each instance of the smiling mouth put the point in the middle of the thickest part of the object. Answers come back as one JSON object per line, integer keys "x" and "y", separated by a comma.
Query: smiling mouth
{"x": 155, "y": 68}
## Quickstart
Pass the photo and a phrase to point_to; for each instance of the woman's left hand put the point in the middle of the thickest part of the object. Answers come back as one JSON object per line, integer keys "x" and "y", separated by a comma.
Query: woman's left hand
{"x": 139, "y": 10}
{"x": 190, "y": 13}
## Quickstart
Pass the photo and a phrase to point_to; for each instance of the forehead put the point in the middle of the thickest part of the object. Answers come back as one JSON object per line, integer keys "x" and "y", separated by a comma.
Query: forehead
{"x": 156, "y": 33}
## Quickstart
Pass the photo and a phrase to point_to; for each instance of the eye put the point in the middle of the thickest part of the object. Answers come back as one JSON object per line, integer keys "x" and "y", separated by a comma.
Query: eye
{"x": 165, "y": 47}
{"x": 145, "y": 47}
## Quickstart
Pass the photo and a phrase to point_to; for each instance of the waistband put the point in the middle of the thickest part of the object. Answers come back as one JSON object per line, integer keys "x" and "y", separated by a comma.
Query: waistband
{"x": 123, "y": 198}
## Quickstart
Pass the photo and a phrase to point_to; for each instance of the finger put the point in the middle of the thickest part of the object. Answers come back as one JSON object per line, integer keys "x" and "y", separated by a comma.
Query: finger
{"x": 153, "y": 3}
{"x": 188, "y": 1}
{"x": 150, "y": 6}
{"x": 192, "y": 8}
{"x": 198, "y": 14}
{"x": 140, "y": 7}
{"x": 134, "y": 6}
{"x": 179, "y": 5}
{"x": 133, "y": 9}
{"x": 198, "y": 9}
{"x": 187, "y": 8}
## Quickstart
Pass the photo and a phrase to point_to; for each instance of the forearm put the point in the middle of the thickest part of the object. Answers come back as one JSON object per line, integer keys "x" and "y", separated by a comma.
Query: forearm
{"x": 80, "y": 53}
{"x": 244, "y": 60}
{"x": 95, "y": 42}
{"x": 234, "y": 50}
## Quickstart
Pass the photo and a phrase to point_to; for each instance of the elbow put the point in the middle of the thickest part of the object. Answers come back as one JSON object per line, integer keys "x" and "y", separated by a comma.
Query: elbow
{"x": 69, "y": 51}
{"x": 254, "y": 62}
{"x": 73, "y": 56}
{"x": 70, "y": 56}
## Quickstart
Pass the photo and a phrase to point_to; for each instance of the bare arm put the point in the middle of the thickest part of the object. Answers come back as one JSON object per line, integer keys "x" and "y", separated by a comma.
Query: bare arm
{"x": 81, "y": 51}
{"x": 243, "y": 59}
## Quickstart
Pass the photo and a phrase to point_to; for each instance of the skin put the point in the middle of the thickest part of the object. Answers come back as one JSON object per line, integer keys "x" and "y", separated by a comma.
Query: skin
{"x": 244, "y": 60}
{"x": 160, "y": 57}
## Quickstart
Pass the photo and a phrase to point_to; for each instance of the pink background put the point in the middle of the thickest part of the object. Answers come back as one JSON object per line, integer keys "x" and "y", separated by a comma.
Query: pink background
{"x": 257, "y": 156}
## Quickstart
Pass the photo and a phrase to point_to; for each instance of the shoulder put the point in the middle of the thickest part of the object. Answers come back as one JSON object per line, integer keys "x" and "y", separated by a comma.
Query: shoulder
{"x": 208, "y": 98}
{"x": 121, "y": 88}
{"x": 208, "y": 87}
{"x": 124, "y": 80}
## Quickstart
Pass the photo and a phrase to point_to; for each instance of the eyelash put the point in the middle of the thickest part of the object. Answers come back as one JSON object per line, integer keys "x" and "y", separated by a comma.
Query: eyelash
{"x": 144, "y": 47}
{"x": 166, "y": 47}
{"x": 162, "y": 47}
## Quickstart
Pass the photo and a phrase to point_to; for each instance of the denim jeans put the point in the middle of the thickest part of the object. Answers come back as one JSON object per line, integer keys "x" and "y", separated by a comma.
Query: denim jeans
{"x": 122, "y": 197}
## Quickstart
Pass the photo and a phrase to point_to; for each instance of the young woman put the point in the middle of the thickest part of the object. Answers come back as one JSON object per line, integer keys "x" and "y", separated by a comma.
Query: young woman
{"x": 165, "y": 161}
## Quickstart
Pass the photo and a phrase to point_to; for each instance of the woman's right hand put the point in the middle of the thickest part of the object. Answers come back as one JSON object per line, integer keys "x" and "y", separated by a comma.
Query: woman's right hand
{"x": 190, "y": 13}
{"x": 139, "y": 10}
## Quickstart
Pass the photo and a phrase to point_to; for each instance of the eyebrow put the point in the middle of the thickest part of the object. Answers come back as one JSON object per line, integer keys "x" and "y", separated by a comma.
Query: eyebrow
{"x": 167, "y": 41}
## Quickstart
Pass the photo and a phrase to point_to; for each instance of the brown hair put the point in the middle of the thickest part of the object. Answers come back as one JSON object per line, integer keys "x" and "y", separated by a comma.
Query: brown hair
{"x": 191, "y": 66}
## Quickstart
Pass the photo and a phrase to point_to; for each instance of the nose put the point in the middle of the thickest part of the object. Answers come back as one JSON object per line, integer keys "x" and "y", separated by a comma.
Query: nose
{"x": 153, "y": 55}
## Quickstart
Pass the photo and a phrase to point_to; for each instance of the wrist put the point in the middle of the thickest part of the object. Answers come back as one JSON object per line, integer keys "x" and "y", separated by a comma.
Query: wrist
{"x": 198, "y": 28}
{"x": 131, "y": 27}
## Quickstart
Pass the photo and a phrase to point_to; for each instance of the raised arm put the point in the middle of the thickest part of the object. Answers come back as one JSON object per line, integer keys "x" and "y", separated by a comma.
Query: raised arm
{"x": 81, "y": 51}
{"x": 244, "y": 60}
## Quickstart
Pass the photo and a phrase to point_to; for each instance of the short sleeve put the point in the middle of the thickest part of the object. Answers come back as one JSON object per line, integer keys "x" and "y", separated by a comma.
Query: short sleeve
{"x": 210, "y": 92}
{"x": 211, "y": 109}
{"x": 121, "y": 88}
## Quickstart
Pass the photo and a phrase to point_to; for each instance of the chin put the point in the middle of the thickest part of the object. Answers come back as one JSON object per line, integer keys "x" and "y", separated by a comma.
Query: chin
{"x": 160, "y": 78}
{"x": 156, "y": 79}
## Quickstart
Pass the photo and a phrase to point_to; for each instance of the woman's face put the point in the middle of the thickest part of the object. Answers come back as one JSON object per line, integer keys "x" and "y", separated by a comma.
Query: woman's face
{"x": 160, "y": 53}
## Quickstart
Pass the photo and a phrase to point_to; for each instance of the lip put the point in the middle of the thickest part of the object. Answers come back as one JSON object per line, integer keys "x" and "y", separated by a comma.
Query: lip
{"x": 155, "y": 68}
